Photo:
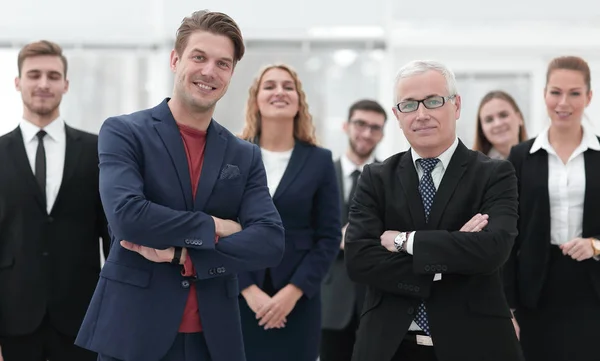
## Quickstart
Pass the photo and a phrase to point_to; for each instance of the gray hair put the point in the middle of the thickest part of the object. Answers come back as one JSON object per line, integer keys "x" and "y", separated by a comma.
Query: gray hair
{"x": 417, "y": 67}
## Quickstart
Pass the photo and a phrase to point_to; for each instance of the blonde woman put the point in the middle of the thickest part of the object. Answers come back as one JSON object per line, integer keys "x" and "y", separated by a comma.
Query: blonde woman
{"x": 281, "y": 308}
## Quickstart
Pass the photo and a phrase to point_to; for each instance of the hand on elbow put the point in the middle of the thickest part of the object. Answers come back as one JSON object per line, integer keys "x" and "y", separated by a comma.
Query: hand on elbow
{"x": 226, "y": 227}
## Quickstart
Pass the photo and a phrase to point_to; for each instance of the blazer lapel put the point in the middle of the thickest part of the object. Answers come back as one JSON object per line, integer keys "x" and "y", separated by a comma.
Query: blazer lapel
{"x": 171, "y": 137}
{"x": 214, "y": 152}
{"x": 23, "y": 168}
{"x": 297, "y": 160}
{"x": 72, "y": 154}
{"x": 452, "y": 175}
{"x": 409, "y": 181}
{"x": 592, "y": 191}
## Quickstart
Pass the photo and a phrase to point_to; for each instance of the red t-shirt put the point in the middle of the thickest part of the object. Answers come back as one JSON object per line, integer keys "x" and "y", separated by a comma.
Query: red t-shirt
{"x": 194, "y": 141}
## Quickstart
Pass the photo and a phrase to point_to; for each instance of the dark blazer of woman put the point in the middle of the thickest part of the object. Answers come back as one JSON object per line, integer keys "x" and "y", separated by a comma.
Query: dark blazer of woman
{"x": 307, "y": 199}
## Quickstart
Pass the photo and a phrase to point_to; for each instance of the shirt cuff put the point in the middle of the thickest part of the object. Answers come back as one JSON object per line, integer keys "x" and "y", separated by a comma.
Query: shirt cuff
{"x": 409, "y": 243}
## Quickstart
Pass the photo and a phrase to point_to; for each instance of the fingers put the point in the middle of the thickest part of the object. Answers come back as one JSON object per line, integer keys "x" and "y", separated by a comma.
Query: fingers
{"x": 268, "y": 317}
{"x": 476, "y": 224}
{"x": 131, "y": 246}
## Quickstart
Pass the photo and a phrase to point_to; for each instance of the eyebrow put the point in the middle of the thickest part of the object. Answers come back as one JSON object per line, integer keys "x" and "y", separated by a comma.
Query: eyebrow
{"x": 429, "y": 96}
{"x": 274, "y": 81}
{"x": 196, "y": 50}
{"x": 558, "y": 88}
{"x": 42, "y": 71}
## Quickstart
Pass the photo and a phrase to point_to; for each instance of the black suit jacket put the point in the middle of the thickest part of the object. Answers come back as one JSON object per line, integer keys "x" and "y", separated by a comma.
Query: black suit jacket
{"x": 341, "y": 298}
{"x": 469, "y": 317}
{"x": 49, "y": 263}
{"x": 526, "y": 269}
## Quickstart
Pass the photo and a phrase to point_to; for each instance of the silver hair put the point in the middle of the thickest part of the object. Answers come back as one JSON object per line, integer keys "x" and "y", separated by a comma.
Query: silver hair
{"x": 417, "y": 67}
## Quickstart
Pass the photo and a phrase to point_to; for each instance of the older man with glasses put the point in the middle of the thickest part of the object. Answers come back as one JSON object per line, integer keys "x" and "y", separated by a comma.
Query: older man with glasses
{"x": 429, "y": 230}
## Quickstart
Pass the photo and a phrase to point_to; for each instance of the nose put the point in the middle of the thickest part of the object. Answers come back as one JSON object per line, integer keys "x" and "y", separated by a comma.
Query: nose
{"x": 422, "y": 112}
{"x": 44, "y": 82}
{"x": 563, "y": 99}
{"x": 208, "y": 69}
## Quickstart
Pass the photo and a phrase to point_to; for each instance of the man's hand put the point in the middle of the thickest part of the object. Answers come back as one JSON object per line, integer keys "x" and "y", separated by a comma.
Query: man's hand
{"x": 476, "y": 224}
{"x": 1, "y": 358}
{"x": 274, "y": 312}
{"x": 226, "y": 227}
{"x": 257, "y": 299}
{"x": 387, "y": 240}
{"x": 154, "y": 255}
{"x": 579, "y": 249}
{"x": 343, "y": 236}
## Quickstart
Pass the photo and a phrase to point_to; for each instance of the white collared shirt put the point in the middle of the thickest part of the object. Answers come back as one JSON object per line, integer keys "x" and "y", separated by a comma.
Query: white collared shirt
{"x": 566, "y": 186}
{"x": 348, "y": 167}
{"x": 436, "y": 174}
{"x": 275, "y": 165}
{"x": 55, "y": 143}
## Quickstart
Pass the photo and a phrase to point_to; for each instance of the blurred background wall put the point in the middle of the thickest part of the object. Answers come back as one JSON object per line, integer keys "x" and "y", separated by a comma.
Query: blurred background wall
{"x": 343, "y": 50}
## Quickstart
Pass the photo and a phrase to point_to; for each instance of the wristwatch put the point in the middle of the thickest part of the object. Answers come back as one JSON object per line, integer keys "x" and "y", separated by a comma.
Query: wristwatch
{"x": 595, "y": 246}
{"x": 176, "y": 256}
{"x": 400, "y": 241}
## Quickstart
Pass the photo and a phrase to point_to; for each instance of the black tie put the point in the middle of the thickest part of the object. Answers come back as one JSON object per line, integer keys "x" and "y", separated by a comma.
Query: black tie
{"x": 354, "y": 175}
{"x": 40, "y": 163}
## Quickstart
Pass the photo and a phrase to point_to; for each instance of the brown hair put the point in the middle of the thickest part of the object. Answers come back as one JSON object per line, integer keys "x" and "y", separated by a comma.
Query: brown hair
{"x": 40, "y": 48}
{"x": 367, "y": 105}
{"x": 304, "y": 129}
{"x": 571, "y": 63}
{"x": 213, "y": 22}
{"x": 482, "y": 144}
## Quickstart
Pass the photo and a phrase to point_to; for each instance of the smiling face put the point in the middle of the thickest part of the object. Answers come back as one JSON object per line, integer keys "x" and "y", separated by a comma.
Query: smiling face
{"x": 566, "y": 97}
{"x": 500, "y": 123}
{"x": 42, "y": 84}
{"x": 203, "y": 70}
{"x": 277, "y": 95}
{"x": 429, "y": 131}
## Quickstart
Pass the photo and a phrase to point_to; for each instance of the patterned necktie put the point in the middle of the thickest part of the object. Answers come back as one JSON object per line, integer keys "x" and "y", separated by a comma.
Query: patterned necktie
{"x": 427, "y": 191}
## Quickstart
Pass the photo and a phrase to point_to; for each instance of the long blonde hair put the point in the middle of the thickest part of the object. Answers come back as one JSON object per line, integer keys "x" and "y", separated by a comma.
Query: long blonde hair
{"x": 304, "y": 129}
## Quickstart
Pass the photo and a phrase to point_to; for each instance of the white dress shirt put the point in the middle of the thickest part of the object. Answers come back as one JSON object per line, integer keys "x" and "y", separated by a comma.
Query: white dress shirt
{"x": 55, "y": 143}
{"x": 275, "y": 165}
{"x": 436, "y": 174}
{"x": 566, "y": 186}
{"x": 348, "y": 167}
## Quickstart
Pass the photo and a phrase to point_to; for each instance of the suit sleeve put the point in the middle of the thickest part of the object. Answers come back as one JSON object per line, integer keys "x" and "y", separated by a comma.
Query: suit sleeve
{"x": 134, "y": 218}
{"x": 367, "y": 261}
{"x": 327, "y": 224}
{"x": 470, "y": 253}
{"x": 509, "y": 270}
{"x": 103, "y": 230}
{"x": 261, "y": 242}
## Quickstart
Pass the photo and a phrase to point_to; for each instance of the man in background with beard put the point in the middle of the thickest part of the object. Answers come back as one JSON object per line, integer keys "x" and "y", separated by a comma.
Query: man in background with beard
{"x": 341, "y": 298}
{"x": 51, "y": 218}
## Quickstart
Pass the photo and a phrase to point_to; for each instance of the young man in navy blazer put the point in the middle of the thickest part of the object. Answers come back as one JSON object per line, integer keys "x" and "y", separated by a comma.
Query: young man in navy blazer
{"x": 188, "y": 208}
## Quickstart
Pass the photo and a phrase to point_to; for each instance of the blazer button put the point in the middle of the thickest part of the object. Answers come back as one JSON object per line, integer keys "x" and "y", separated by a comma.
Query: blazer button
{"x": 444, "y": 268}
{"x": 410, "y": 310}
{"x": 427, "y": 268}
{"x": 45, "y": 254}
{"x": 50, "y": 219}
{"x": 187, "y": 241}
{"x": 417, "y": 288}
{"x": 411, "y": 287}
{"x": 438, "y": 268}
{"x": 400, "y": 285}
{"x": 185, "y": 284}
{"x": 199, "y": 242}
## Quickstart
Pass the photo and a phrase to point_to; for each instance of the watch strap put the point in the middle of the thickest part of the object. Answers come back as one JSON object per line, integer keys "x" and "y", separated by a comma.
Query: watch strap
{"x": 177, "y": 256}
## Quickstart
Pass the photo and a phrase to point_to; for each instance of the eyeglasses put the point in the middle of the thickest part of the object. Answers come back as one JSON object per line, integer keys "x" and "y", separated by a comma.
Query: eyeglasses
{"x": 362, "y": 126}
{"x": 433, "y": 102}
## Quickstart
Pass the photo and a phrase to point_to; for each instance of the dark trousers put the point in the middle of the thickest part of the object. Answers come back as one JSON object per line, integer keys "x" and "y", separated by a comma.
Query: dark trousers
{"x": 337, "y": 345}
{"x": 409, "y": 350}
{"x": 187, "y": 347}
{"x": 45, "y": 344}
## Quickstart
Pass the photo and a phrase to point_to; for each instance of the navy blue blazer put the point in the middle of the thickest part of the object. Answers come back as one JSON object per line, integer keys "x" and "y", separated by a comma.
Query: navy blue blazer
{"x": 146, "y": 192}
{"x": 308, "y": 202}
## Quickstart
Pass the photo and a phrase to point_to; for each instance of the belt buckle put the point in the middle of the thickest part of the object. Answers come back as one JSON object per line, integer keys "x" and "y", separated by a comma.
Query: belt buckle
{"x": 424, "y": 340}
